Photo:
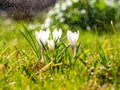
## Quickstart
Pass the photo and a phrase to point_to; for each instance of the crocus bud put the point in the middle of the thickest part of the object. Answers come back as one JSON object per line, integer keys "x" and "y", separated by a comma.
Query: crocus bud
{"x": 51, "y": 44}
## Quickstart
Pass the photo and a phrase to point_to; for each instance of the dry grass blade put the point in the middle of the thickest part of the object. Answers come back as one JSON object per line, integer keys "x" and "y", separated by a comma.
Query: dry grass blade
{"x": 45, "y": 68}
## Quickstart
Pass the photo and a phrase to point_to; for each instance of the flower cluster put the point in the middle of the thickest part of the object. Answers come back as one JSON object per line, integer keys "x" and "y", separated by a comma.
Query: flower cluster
{"x": 43, "y": 37}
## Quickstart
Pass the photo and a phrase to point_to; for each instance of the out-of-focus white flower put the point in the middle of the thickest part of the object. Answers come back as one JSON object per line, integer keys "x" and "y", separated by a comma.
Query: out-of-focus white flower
{"x": 51, "y": 44}
{"x": 57, "y": 6}
{"x": 33, "y": 26}
{"x": 60, "y": 14}
{"x": 68, "y": 2}
{"x": 42, "y": 36}
{"x": 63, "y": 6}
{"x": 61, "y": 20}
{"x": 109, "y": 2}
{"x": 57, "y": 34}
{"x": 47, "y": 23}
{"x": 83, "y": 11}
{"x": 51, "y": 12}
{"x": 75, "y": 1}
{"x": 72, "y": 37}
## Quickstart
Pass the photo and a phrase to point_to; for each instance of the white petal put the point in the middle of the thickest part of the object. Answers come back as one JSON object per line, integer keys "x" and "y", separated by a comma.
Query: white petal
{"x": 72, "y": 37}
{"x": 51, "y": 44}
{"x": 60, "y": 33}
{"x": 37, "y": 36}
{"x": 57, "y": 34}
{"x": 42, "y": 36}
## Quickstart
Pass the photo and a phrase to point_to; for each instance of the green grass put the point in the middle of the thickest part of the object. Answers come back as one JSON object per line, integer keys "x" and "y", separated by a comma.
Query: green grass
{"x": 97, "y": 64}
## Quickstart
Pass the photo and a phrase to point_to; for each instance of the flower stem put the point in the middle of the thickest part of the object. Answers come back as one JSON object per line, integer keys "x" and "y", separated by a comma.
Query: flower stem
{"x": 42, "y": 55}
{"x": 73, "y": 51}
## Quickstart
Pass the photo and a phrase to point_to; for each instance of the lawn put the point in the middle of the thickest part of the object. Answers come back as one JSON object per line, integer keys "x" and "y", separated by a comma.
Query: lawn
{"x": 96, "y": 65}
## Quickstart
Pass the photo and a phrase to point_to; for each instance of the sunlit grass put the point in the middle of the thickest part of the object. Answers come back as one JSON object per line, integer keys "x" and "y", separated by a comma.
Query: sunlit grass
{"x": 97, "y": 64}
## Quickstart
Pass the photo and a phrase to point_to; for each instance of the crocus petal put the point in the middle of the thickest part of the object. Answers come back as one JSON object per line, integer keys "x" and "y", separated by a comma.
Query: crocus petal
{"x": 42, "y": 36}
{"x": 45, "y": 36}
{"x": 37, "y": 34}
{"x": 72, "y": 37}
{"x": 57, "y": 34}
{"x": 51, "y": 44}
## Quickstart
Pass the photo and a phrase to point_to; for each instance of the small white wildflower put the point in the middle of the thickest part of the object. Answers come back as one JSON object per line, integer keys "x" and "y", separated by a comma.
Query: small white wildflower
{"x": 51, "y": 44}
{"x": 75, "y": 1}
{"x": 42, "y": 36}
{"x": 72, "y": 37}
{"x": 68, "y": 2}
{"x": 57, "y": 34}
{"x": 63, "y": 6}
{"x": 47, "y": 23}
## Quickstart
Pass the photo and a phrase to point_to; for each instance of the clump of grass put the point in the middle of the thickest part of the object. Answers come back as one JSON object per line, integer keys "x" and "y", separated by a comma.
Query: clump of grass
{"x": 95, "y": 65}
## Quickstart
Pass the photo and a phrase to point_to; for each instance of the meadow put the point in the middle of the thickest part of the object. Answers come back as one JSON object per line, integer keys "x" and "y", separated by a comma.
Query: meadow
{"x": 96, "y": 65}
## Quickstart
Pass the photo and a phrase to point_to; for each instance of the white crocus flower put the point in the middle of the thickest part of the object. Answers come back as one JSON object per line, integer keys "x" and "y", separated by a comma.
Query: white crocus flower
{"x": 72, "y": 39}
{"x": 51, "y": 44}
{"x": 57, "y": 34}
{"x": 42, "y": 38}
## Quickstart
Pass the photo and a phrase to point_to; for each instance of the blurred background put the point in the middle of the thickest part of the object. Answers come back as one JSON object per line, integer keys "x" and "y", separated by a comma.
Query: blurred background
{"x": 87, "y": 15}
